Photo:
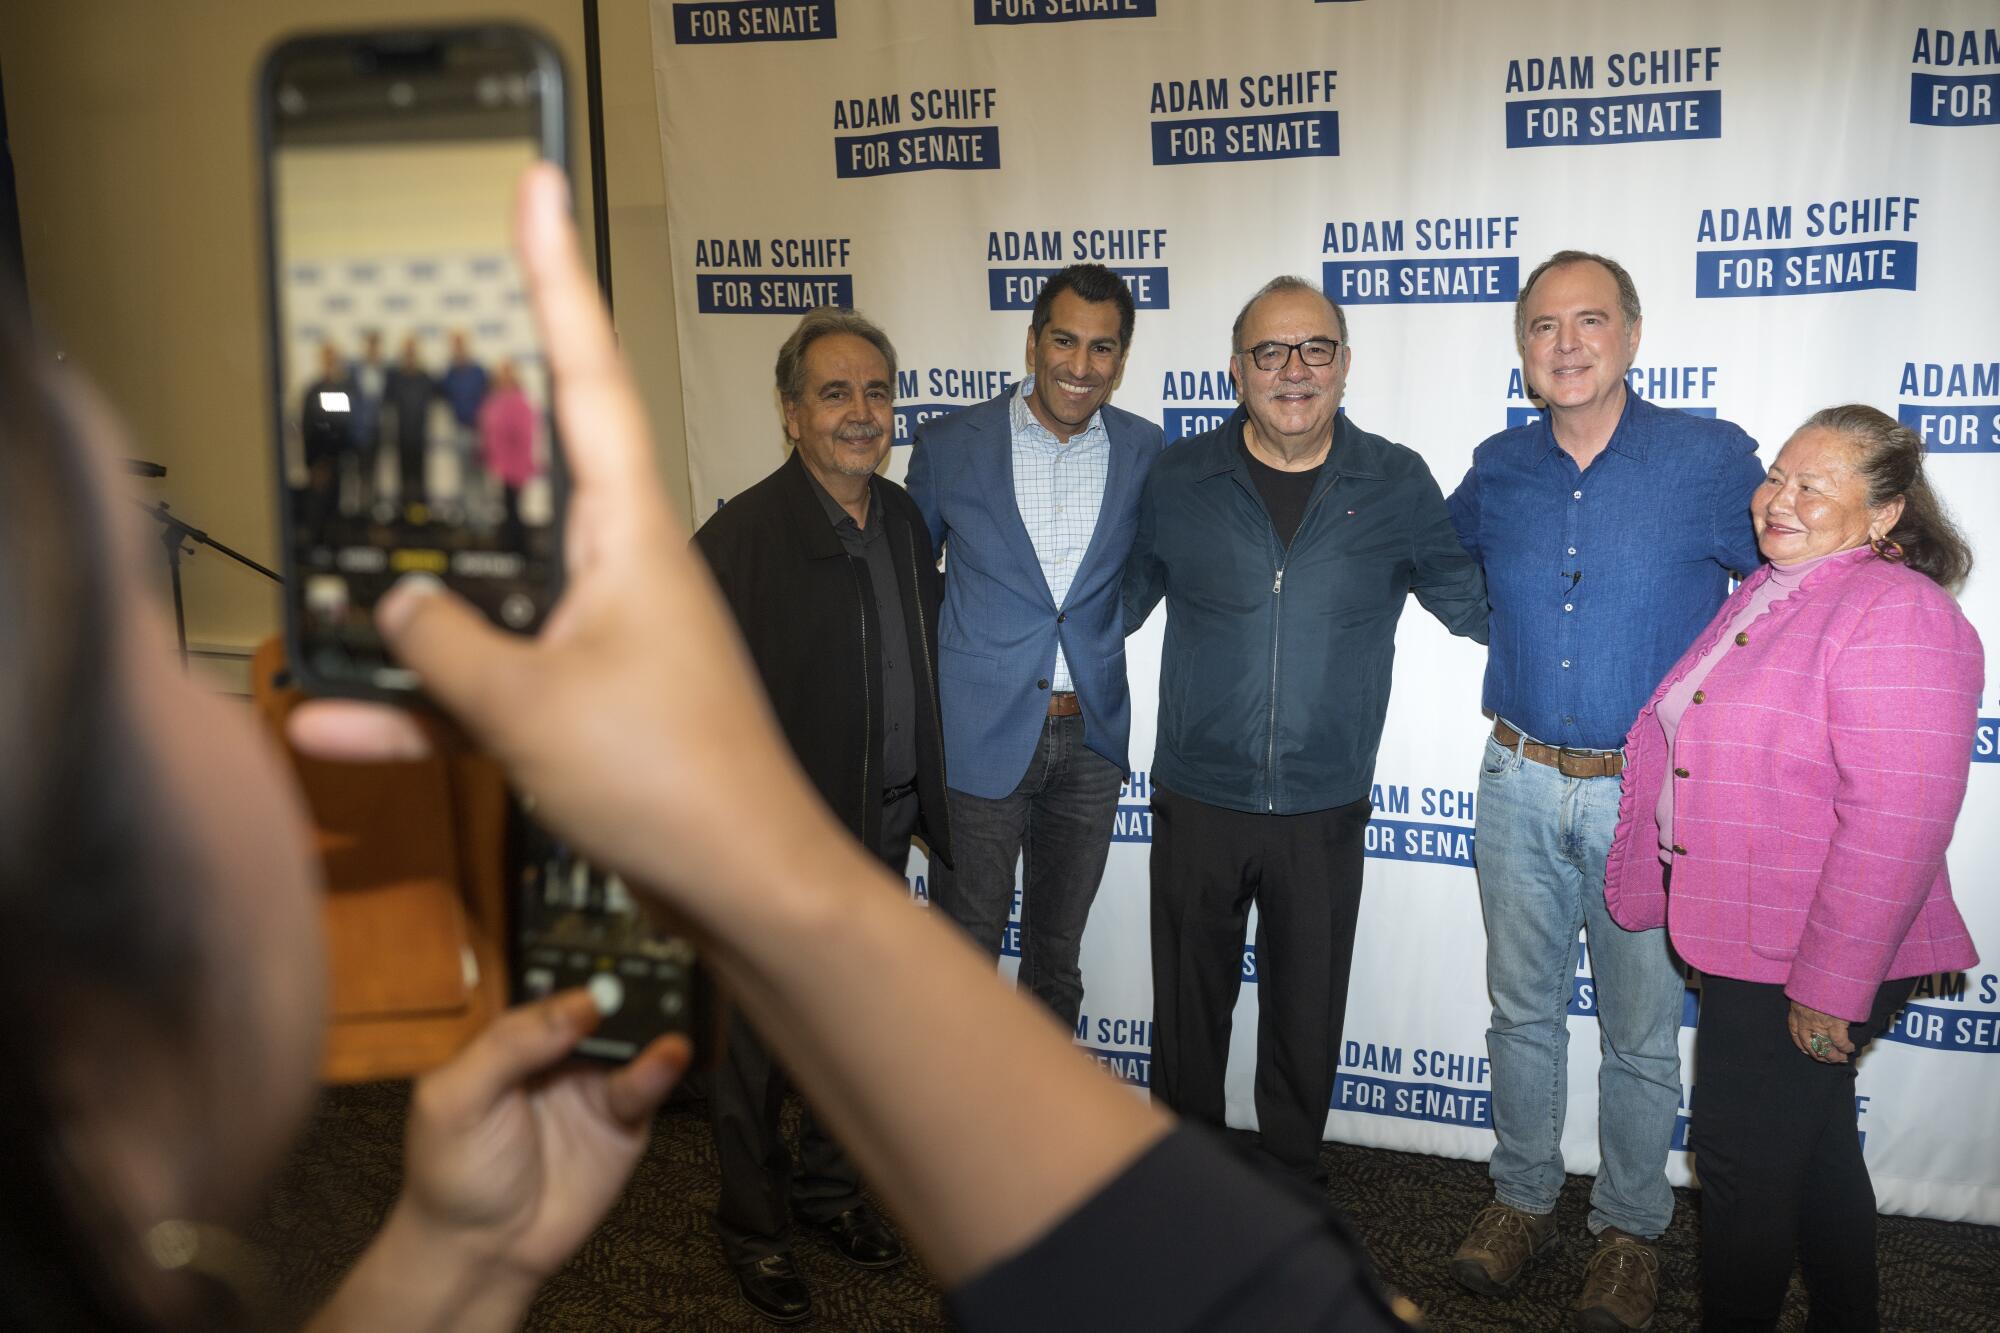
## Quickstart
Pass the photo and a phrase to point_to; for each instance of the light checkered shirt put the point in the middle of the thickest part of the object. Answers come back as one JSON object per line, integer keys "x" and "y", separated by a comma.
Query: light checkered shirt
{"x": 1059, "y": 488}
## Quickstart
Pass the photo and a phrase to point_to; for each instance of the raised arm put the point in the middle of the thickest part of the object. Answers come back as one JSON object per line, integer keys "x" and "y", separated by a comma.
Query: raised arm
{"x": 807, "y": 930}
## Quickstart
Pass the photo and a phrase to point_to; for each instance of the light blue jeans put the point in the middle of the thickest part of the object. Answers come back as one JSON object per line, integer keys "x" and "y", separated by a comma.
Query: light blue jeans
{"x": 1542, "y": 840}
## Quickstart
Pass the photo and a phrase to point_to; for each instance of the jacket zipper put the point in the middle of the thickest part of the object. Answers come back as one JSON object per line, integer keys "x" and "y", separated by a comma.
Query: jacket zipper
{"x": 1277, "y": 621}
{"x": 930, "y": 673}
{"x": 867, "y": 696}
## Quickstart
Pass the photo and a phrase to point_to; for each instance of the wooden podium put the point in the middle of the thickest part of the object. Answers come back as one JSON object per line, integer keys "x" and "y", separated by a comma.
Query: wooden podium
{"x": 415, "y": 910}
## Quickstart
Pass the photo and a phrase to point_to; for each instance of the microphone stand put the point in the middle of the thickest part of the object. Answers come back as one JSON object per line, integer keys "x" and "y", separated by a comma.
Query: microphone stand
{"x": 173, "y": 532}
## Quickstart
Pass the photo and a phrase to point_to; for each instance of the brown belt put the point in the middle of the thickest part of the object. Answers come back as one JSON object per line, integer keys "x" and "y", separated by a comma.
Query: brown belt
{"x": 1569, "y": 763}
{"x": 1064, "y": 705}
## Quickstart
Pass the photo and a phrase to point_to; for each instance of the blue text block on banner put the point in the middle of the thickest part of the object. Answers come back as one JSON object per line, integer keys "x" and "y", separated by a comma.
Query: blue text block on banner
{"x": 1439, "y": 1103}
{"x": 1954, "y": 428}
{"x": 1017, "y": 288}
{"x": 754, "y": 21}
{"x": 1246, "y": 138}
{"x": 1955, "y": 99}
{"x": 1060, "y": 11}
{"x": 954, "y": 148}
{"x": 1421, "y": 281}
{"x": 770, "y": 293}
{"x": 1645, "y": 118}
{"x": 1402, "y": 840}
{"x": 1946, "y": 1029}
{"x": 1181, "y": 422}
{"x": 1806, "y": 270}
{"x": 1986, "y": 741}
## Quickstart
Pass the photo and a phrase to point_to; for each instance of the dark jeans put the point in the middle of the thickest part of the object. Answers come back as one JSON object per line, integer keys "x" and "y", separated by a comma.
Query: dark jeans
{"x": 1782, "y": 1177}
{"x": 746, "y": 1091}
{"x": 1057, "y": 822}
{"x": 1304, "y": 874}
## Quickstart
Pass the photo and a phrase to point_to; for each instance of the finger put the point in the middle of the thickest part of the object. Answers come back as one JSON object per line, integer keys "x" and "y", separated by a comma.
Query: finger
{"x": 603, "y": 427}
{"x": 635, "y": 1091}
{"x": 467, "y": 664}
{"x": 512, "y": 1049}
{"x": 1841, "y": 1041}
{"x": 347, "y": 731}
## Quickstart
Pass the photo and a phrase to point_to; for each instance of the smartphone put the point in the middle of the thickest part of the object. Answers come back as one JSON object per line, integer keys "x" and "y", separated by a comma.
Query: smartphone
{"x": 410, "y": 396}
{"x": 412, "y": 430}
{"x": 577, "y": 925}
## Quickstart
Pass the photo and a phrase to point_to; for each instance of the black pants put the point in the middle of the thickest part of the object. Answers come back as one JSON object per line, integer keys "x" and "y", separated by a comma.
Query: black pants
{"x": 1304, "y": 874}
{"x": 1782, "y": 1177}
{"x": 760, "y": 1182}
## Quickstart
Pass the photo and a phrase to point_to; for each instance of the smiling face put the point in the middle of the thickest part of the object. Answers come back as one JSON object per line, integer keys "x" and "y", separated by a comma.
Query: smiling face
{"x": 1575, "y": 343}
{"x": 1291, "y": 408}
{"x": 1077, "y": 356}
{"x": 1814, "y": 501}
{"x": 842, "y": 421}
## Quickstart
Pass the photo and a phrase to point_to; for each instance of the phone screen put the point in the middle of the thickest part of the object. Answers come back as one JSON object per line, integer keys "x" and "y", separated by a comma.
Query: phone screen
{"x": 412, "y": 397}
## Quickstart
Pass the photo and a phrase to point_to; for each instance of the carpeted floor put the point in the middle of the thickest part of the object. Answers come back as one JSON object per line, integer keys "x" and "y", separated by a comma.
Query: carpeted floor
{"x": 655, "y": 1266}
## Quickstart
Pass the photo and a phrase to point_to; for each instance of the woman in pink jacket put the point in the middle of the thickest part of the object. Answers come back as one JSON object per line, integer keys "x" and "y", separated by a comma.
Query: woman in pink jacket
{"x": 1789, "y": 794}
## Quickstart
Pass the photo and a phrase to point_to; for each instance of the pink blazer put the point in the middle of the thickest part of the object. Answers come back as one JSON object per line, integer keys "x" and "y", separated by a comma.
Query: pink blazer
{"x": 1818, "y": 775}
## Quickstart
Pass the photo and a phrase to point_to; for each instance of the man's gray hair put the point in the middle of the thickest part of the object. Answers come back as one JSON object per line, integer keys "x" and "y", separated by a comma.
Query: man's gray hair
{"x": 817, "y": 324}
{"x": 1628, "y": 291}
{"x": 1284, "y": 283}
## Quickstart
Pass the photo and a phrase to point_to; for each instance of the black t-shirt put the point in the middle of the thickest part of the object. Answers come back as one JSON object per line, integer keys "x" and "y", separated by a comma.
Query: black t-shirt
{"x": 1285, "y": 493}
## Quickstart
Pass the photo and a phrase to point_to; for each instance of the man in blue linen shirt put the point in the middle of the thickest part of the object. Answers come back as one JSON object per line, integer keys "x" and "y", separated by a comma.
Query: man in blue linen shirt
{"x": 1608, "y": 530}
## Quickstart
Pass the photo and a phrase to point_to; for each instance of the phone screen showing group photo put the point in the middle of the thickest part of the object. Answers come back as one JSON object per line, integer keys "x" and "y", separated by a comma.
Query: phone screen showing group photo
{"x": 413, "y": 397}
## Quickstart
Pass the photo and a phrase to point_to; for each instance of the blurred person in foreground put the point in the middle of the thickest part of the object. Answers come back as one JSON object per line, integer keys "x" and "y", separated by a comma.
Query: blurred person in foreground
{"x": 167, "y": 1001}
{"x": 1789, "y": 794}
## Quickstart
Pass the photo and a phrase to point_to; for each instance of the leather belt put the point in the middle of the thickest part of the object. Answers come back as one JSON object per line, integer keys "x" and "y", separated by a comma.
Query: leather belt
{"x": 1569, "y": 763}
{"x": 1064, "y": 705}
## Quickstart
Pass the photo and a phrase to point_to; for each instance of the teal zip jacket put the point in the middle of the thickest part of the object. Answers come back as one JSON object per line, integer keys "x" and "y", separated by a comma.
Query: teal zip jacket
{"x": 1274, "y": 680}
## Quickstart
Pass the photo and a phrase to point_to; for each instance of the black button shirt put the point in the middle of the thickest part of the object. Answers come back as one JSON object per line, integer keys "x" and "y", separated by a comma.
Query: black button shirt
{"x": 897, "y": 714}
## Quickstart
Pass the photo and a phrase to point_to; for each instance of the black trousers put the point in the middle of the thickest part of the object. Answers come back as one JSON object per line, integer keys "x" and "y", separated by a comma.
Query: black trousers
{"x": 761, "y": 1184}
{"x": 1783, "y": 1182}
{"x": 1304, "y": 873}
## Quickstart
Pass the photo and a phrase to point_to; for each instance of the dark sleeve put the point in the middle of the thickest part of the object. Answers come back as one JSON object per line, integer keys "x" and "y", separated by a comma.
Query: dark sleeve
{"x": 1188, "y": 1237}
{"x": 1464, "y": 508}
{"x": 1145, "y": 575}
{"x": 1445, "y": 578}
{"x": 719, "y": 542}
{"x": 1733, "y": 541}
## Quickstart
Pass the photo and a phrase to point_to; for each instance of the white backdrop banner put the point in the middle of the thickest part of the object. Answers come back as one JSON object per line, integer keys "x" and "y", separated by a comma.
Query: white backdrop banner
{"x": 1805, "y": 191}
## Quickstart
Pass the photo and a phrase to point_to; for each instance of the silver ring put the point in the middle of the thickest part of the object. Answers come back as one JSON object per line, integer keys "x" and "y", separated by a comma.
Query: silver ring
{"x": 1820, "y": 1043}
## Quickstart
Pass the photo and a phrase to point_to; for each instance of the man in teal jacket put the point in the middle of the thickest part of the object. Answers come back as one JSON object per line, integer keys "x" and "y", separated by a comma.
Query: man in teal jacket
{"x": 1284, "y": 543}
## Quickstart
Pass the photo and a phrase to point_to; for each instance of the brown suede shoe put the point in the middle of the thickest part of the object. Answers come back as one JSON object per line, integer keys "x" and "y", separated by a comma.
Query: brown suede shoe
{"x": 1502, "y": 1241}
{"x": 1621, "y": 1285}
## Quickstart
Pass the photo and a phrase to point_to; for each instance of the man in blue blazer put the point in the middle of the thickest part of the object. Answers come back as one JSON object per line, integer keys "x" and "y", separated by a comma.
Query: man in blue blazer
{"x": 1033, "y": 497}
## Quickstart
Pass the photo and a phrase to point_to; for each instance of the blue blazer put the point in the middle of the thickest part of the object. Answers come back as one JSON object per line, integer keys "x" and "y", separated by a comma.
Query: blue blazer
{"x": 998, "y": 632}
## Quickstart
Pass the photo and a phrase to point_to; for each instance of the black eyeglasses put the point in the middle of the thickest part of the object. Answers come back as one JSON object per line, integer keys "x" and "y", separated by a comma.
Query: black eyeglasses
{"x": 1275, "y": 355}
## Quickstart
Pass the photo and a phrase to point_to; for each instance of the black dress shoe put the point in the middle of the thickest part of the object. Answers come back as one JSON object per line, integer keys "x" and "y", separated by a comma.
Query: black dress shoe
{"x": 861, "y": 1237}
{"x": 774, "y": 1288}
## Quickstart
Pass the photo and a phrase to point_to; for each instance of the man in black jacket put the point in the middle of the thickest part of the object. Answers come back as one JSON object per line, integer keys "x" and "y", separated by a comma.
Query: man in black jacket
{"x": 1285, "y": 543}
{"x": 829, "y": 571}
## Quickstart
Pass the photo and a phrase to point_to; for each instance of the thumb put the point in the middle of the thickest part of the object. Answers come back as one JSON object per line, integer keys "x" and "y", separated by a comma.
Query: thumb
{"x": 511, "y": 1049}
{"x": 468, "y": 665}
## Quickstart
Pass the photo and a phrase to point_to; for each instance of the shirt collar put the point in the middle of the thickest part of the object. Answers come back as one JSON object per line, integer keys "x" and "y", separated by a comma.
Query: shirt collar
{"x": 836, "y": 513}
{"x": 1632, "y": 436}
{"x": 1354, "y": 453}
{"x": 1025, "y": 425}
